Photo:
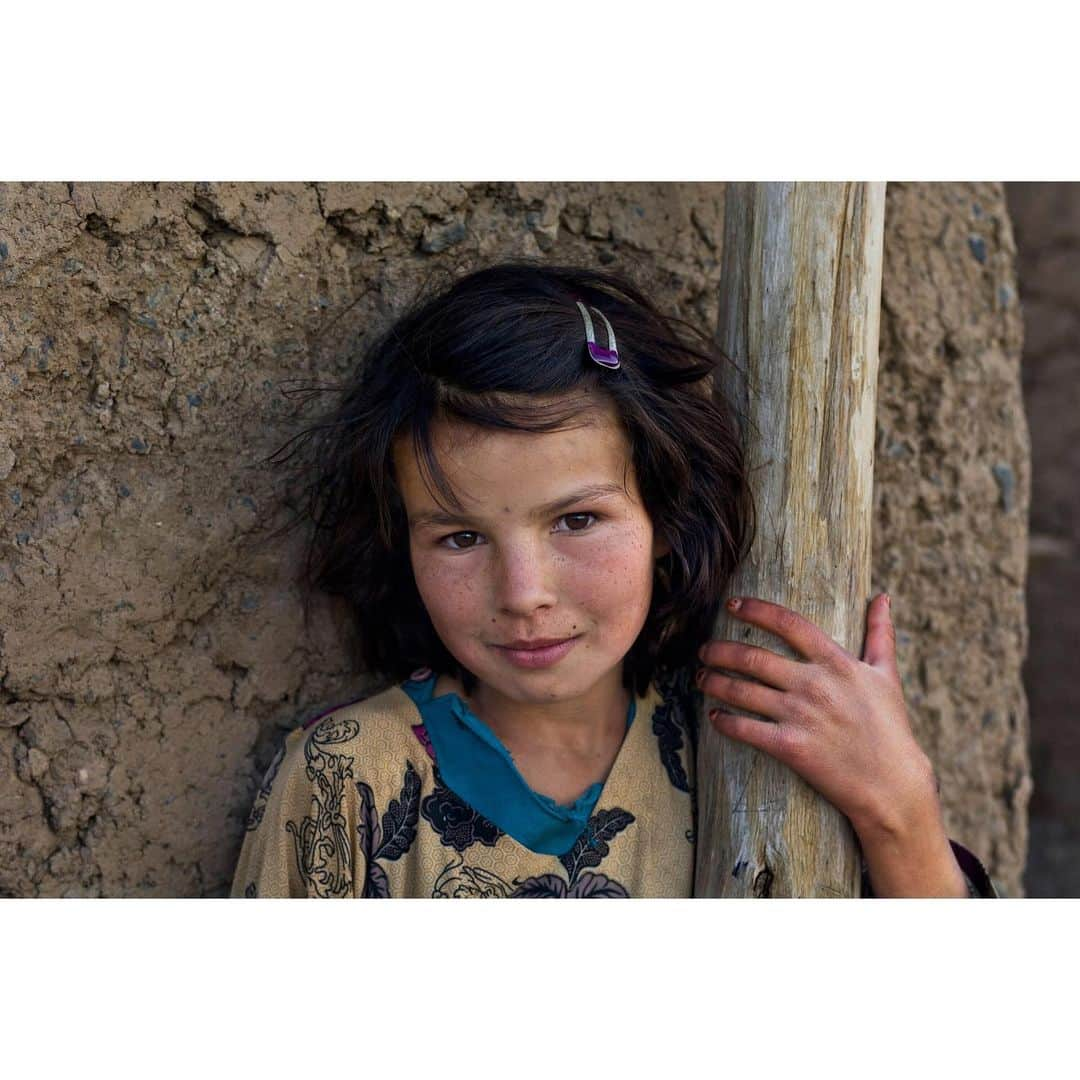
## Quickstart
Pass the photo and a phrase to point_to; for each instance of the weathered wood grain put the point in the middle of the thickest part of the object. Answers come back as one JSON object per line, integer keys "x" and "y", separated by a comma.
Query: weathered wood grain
{"x": 799, "y": 315}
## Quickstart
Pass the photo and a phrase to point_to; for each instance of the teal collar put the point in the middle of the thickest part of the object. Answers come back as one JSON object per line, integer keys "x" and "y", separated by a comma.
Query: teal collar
{"x": 478, "y": 768}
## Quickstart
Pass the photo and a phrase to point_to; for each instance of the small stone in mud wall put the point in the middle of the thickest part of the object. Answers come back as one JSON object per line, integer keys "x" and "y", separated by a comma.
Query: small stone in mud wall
{"x": 35, "y": 764}
{"x": 1006, "y": 481}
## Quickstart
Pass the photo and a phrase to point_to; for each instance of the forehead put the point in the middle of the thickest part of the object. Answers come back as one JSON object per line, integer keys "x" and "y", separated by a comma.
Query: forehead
{"x": 515, "y": 471}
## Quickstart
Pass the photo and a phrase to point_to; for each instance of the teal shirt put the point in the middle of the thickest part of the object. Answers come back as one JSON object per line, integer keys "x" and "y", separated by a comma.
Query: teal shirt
{"x": 478, "y": 768}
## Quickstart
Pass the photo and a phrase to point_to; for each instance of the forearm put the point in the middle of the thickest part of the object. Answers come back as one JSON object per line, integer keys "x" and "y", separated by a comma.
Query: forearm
{"x": 915, "y": 867}
{"x": 910, "y": 855}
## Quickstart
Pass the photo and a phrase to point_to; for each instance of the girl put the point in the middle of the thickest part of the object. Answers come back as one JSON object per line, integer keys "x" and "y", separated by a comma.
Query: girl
{"x": 531, "y": 503}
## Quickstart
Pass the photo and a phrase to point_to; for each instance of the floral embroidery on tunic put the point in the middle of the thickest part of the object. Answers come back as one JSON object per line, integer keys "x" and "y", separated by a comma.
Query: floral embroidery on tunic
{"x": 321, "y": 842}
{"x": 391, "y": 838}
{"x": 459, "y": 880}
{"x": 674, "y": 717}
{"x": 457, "y": 824}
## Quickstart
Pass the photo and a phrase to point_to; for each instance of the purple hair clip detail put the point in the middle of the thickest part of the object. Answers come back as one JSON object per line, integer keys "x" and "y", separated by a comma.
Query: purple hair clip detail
{"x": 608, "y": 357}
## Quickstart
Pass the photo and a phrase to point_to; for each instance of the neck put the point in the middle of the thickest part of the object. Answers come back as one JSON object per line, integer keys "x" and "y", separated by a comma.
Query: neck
{"x": 584, "y": 726}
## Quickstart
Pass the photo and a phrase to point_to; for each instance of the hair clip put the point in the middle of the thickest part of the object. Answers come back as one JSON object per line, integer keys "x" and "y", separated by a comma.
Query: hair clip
{"x": 608, "y": 357}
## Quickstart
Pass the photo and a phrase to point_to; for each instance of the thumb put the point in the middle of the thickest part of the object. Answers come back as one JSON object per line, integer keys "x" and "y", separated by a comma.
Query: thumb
{"x": 880, "y": 648}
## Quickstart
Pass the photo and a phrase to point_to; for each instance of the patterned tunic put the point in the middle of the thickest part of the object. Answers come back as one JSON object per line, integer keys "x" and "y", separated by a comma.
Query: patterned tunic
{"x": 354, "y": 805}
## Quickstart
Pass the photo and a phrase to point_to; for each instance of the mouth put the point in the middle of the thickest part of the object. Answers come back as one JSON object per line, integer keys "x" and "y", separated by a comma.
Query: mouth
{"x": 537, "y": 643}
{"x": 538, "y": 655}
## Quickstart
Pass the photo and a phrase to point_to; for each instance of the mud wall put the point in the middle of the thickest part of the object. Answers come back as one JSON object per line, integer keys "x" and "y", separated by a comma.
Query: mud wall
{"x": 1047, "y": 222}
{"x": 151, "y": 654}
{"x": 952, "y": 482}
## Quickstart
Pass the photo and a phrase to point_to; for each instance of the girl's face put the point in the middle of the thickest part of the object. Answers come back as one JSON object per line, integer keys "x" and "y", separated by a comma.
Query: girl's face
{"x": 527, "y": 560}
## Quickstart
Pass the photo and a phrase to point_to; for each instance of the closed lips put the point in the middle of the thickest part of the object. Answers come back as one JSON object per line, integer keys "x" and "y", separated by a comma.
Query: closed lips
{"x": 541, "y": 643}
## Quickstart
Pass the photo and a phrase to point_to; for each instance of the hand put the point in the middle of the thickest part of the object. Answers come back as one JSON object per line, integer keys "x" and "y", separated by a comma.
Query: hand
{"x": 839, "y": 722}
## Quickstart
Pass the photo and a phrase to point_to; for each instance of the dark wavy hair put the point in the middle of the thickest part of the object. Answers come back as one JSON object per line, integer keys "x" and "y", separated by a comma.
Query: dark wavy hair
{"x": 482, "y": 349}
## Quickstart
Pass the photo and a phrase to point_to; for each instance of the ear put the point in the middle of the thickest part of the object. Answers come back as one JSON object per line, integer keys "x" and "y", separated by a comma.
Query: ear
{"x": 660, "y": 547}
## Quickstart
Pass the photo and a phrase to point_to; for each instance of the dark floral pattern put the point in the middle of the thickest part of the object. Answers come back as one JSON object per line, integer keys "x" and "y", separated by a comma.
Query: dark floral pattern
{"x": 674, "y": 718}
{"x": 589, "y": 850}
{"x": 457, "y": 824}
{"x": 393, "y": 836}
{"x": 587, "y": 886}
{"x": 320, "y": 840}
{"x": 262, "y": 796}
{"x": 336, "y": 729}
{"x": 460, "y": 881}
{"x": 591, "y": 846}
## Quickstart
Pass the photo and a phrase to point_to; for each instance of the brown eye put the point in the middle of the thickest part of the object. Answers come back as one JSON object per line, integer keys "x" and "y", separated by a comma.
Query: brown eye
{"x": 453, "y": 536}
{"x": 582, "y": 514}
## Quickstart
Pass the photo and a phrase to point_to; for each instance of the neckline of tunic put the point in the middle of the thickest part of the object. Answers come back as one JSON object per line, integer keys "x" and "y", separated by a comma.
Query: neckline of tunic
{"x": 476, "y": 765}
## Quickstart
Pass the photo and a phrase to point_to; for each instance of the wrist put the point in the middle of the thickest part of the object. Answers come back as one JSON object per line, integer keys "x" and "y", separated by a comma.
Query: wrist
{"x": 904, "y": 843}
{"x": 908, "y": 812}
{"x": 908, "y": 854}
{"x": 921, "y": 870}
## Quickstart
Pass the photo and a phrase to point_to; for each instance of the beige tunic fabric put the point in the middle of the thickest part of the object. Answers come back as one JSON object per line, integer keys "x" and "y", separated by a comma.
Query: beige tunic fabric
{"x": 354, "y": 806}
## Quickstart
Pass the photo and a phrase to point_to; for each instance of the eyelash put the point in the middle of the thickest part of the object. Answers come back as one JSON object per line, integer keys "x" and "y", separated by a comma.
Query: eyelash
{"x": 466, "y": 532}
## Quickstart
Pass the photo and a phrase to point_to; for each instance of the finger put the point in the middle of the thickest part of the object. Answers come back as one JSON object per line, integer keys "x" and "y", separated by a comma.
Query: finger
{"x": 777, "y": 671}
{"x": 880, "y": 648}
{"x": 760, "y": 734}
{"x": 800, "y": 633}
{"x": 746, "y": 695}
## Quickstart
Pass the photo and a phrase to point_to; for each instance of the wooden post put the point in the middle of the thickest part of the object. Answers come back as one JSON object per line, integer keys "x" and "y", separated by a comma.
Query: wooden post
{"x": 799, "y": 315}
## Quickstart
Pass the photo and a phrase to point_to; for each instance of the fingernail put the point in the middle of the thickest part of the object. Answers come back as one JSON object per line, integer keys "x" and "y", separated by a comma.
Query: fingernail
{"x": 699, "y": 678}
{"x": 888, "y": 600}
{"x": 714, "y": 715}
{"x": 734, "y": 603}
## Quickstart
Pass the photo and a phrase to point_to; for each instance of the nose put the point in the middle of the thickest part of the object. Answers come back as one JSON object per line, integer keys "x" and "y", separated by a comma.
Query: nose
{"x": 525, "y": 578}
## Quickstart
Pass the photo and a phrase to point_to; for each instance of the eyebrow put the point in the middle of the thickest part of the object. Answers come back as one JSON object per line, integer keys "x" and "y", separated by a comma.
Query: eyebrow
{"x": 591, "y": 491}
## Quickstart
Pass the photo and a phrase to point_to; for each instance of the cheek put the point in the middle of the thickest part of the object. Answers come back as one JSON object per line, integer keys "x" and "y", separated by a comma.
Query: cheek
{"x": 446, "y": 590}
{"x": 614, "y": 576}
